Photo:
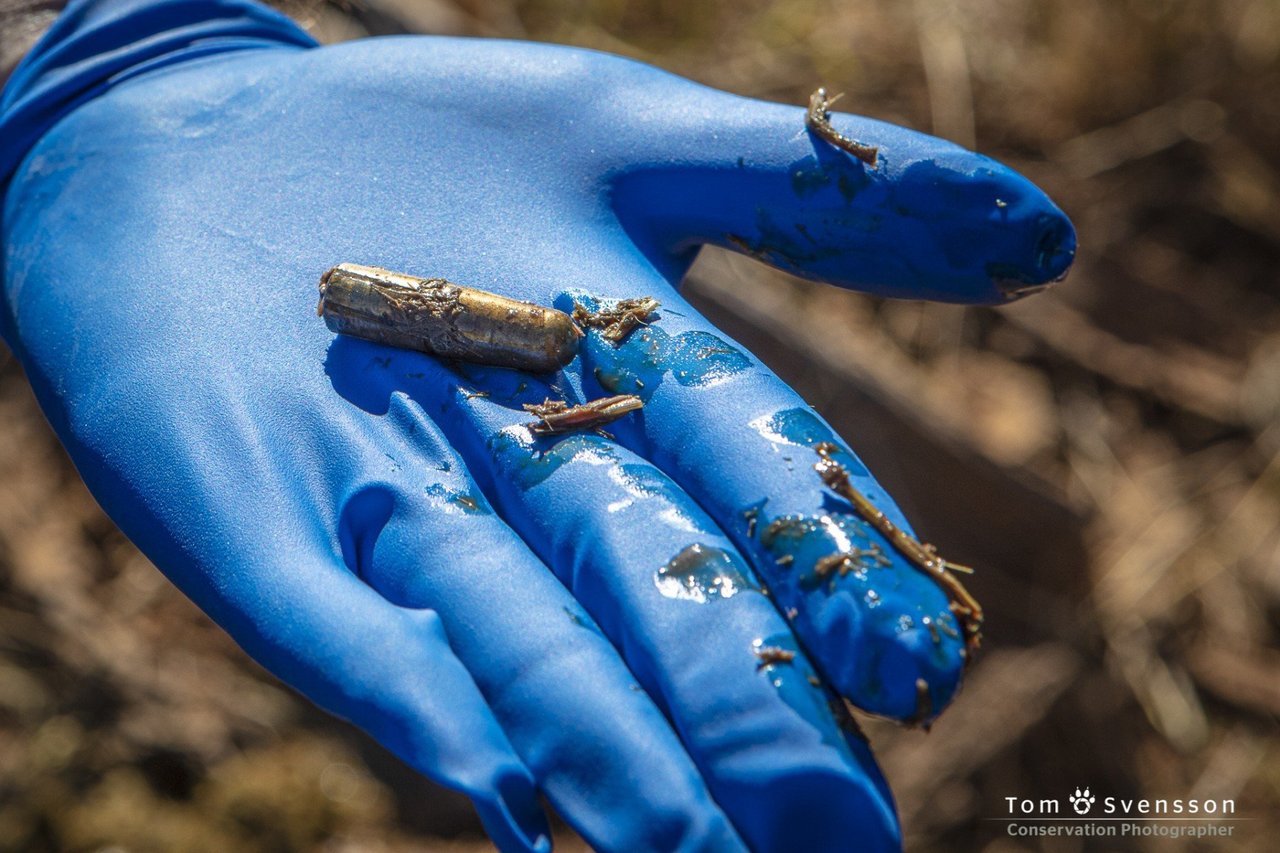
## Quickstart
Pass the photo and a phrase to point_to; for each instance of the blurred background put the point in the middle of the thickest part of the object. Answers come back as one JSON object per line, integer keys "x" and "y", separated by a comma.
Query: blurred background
{"x": 1107, "y": 453}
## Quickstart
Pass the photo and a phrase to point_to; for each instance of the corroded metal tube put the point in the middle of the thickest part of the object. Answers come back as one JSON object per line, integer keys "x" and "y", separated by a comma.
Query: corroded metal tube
{"x": 439, "y": 317}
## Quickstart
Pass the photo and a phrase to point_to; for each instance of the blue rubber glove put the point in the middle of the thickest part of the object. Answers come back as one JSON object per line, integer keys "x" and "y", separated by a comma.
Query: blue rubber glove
{"x": 578, "y": 616}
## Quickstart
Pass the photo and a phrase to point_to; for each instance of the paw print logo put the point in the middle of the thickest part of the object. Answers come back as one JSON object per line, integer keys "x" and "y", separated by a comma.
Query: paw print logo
{"x": 1082, "y": 801}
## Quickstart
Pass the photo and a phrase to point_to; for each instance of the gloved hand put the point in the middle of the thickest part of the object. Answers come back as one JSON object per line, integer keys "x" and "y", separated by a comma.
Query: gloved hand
{"x": 576, "y": 616}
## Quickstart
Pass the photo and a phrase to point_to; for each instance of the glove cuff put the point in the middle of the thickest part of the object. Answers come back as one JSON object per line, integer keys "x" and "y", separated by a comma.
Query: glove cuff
{"x": 95, "y": 44}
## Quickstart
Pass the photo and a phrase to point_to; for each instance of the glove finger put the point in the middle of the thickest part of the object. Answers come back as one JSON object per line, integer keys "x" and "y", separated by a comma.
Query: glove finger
{"x": 391, "y": 671}
{"x": 265, "y": 571}
{"x": 741, "y": 443}
{"x": 927, "y": 219}
{"x": 644, "y": 559}
{"x": 600, "y": 749}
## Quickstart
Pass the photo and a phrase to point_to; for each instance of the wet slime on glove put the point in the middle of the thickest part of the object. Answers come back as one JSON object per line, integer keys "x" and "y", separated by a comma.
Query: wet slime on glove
{"x": 702, "y": 573}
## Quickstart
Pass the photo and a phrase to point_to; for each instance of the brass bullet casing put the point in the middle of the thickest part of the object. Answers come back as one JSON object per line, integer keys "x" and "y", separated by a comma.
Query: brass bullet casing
{"x": 436, "y": 316}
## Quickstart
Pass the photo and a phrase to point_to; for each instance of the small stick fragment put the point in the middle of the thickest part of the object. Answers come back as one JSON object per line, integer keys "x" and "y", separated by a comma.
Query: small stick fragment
{"x": 819, "y": 121}
{"x": 965, "y": 607}
{"x": 557, "y": 416}
{"x": 620, "y": 320}
{"x": 850, "y": 561}
{"x": 832, "y": 563}
{"x": 436, "y": 316}
{"x": 933, "y": 630}
{"x": 924, "y": 706}
{"x": 770, "y": 655}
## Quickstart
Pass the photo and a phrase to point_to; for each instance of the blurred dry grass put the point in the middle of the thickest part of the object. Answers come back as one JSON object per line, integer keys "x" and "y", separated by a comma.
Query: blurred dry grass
{"x": 1109, "y": 452}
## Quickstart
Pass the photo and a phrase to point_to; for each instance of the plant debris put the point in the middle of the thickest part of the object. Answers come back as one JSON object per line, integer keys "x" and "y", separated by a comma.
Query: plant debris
{"x": 924, "y": 706}
{"x": 965, "y": 607}
{"x": 856, "y": 559}
{"x": 819, "y": 121}
{"x": 619, "y": 321}
{"x": 556, "y": 417}
{"x": 770, "y": 655}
